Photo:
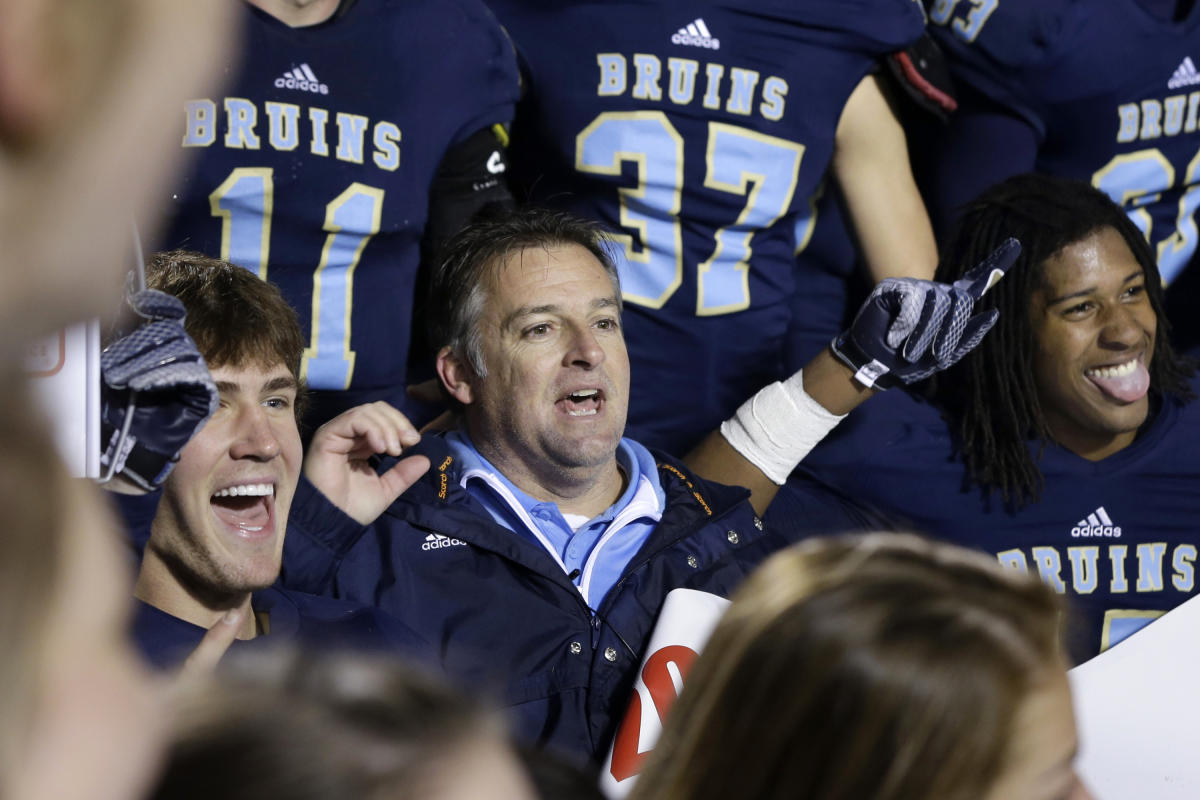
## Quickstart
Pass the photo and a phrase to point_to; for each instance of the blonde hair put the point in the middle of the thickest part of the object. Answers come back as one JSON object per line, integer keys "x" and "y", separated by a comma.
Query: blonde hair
{"x": 881, "y": 667}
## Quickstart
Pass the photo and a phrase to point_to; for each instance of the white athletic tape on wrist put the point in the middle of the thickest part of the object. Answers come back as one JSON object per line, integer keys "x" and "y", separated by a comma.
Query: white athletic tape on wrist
{"x": 778, "y": 426}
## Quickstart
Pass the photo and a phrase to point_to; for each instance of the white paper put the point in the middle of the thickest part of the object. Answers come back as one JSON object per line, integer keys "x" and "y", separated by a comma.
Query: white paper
{"x": 687, "y": 619}
{"x": 1137, "y": 706}
{"x": 64, "y": 371}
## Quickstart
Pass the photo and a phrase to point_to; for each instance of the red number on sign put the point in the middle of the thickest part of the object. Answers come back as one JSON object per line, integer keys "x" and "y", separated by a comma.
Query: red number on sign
{"x": 627, "y": 755}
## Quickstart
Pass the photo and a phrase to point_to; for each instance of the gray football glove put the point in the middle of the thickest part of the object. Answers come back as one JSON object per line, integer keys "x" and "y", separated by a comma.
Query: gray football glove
{"x": 155, "y": 393}
{"x": 909, "y": 329}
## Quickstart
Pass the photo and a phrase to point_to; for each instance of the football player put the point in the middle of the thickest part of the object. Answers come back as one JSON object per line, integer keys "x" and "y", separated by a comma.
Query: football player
{"x": 355, "y": 135}
{"x": 1065, "y": 446}
{"x": 699, "y": 135}
{"x": 1111, "y": 98}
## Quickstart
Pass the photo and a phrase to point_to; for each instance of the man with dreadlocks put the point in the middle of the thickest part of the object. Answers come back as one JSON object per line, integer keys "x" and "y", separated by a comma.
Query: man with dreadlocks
{"x": 1066, "y": 444}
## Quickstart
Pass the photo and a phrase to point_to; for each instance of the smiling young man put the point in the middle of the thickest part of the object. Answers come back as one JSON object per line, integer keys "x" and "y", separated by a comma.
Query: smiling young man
{"x": 1094, "y": 329}
{"x": 216, "y": 539}
{"x": 1068, "y": 445}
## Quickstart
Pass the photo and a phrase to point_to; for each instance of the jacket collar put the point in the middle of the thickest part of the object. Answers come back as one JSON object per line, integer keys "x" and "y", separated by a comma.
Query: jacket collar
{"x": 437, "y": 502}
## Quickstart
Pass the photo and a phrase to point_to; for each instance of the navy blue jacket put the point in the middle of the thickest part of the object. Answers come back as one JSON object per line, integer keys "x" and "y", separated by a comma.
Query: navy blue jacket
{"x": 501, "y": 614}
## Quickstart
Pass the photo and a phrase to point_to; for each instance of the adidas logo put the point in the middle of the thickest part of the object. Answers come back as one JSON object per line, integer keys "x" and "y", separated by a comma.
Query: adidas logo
{"x": 302, "y": 78}
{"x": 1185, "y": 75}
{"x": 1097, "y": 523}
{"x": 696, "y": 34}
{"x": 435, "y": 541}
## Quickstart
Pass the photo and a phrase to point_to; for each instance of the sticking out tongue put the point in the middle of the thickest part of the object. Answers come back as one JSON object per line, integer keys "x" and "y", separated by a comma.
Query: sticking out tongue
{"x": 1124, "y": 388}
{"x": 242, "y": 512}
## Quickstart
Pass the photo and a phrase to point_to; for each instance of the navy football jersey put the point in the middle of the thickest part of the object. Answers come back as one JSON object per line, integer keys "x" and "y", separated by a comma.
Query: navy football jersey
{"x": 1118, "y": 537}
{"x": 698, "y": 133}
{"x": 1108, "y": 94}
{"x": 314, "y": 169}
{"x": 830, "y": 281}
{"x": 301, "y": 619}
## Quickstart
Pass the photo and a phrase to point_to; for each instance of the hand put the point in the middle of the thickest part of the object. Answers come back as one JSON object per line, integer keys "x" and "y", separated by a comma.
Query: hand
{"x": 155, "y": 393}
{"x": 338, "y": 462}
{"x": 909, "y": 329}
{"x": 203, "y": 660}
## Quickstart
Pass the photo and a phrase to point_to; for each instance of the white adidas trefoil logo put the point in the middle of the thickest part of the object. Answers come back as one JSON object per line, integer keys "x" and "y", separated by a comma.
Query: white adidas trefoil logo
{"x": 1096, "y": 523}
{"x": 696, "y": 34}
{"x": 1185, "y": 75}
{"x": 302, "y": 78}
{"x": 436, "y": 541}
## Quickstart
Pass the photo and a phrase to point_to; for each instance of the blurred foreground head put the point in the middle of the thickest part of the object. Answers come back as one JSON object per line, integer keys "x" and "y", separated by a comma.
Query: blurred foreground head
{"x": 79, "y": 717}
{"x": 884, "y": 667}
{"x": 91, "y": 100}
{"x": 294, "y": 726}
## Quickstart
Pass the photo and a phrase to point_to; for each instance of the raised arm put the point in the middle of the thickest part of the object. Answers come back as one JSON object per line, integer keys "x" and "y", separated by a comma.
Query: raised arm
{"x": 870, "y": 162}
{"x": 907, "y": 330}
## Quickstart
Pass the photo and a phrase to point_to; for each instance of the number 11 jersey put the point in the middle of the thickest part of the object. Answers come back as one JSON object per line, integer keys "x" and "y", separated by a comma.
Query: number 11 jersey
{"x": 314, "y": 170}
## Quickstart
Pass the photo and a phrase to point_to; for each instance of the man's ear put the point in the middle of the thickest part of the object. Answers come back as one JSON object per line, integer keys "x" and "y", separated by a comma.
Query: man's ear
{"x": 456, "y": 375}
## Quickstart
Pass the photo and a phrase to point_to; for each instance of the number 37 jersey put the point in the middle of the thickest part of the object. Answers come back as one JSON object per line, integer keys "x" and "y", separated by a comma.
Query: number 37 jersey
{"x": 697, "y": 132}
{"x": 314, "y": 168}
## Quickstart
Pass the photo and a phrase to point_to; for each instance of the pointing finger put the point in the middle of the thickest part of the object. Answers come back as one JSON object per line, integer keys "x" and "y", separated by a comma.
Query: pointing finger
{"x": 986, "y": 275}
{"x": 214, "y": 644}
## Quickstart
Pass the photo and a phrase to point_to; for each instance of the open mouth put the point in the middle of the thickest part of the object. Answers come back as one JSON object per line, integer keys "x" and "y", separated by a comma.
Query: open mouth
{"x": 582, "y": 402}
{"x": 1125, "y": 382}
{"x": 248, "y": 509}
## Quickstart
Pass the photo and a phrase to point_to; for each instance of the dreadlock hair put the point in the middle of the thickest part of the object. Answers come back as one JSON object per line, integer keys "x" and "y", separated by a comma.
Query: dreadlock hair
{"x": 991, "y": 397}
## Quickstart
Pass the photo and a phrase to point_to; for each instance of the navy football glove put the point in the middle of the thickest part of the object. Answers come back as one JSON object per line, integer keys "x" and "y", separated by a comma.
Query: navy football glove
{"x": 909, "y": 329}
{"x": 155, "y": 393}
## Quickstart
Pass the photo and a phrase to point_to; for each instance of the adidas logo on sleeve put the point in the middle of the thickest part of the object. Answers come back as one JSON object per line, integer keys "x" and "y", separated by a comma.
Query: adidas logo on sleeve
{"x": 696, "y": 34}
{"x": 1096, "y": 523}
{"x": 435, "y": 541}
{"x": 302, "y": 78}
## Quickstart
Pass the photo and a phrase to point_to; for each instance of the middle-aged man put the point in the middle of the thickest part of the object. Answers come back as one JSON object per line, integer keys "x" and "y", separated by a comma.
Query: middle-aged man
{"x": 537, "y": 552}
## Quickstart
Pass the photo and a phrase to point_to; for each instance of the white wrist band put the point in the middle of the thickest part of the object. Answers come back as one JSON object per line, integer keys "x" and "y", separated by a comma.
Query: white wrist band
{"x": 778, "y": 426}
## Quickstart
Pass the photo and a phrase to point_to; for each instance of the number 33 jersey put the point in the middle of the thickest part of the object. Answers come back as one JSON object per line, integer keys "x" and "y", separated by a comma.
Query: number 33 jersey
{"x": 1112, "y": 92}
{"x": 697, "y": 132}
{"x": 314, "y": 169}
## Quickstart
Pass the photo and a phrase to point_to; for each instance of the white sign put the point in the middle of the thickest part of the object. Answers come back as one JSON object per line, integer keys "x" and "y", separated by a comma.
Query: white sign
{"x": 1137, "y": 706}
{"x": 687, "y": 619}
{"x": 64, "y": 371}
